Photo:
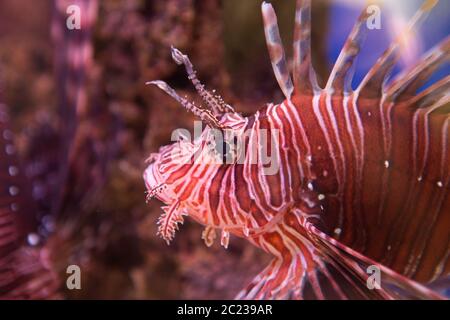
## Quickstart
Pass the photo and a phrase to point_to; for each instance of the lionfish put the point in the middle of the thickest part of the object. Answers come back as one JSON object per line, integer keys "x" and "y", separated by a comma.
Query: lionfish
{"x": 363, "y": 178}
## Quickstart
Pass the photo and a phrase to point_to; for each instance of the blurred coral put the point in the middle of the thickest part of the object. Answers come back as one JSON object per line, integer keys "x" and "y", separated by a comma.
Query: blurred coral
{"x": 84, "y": 158}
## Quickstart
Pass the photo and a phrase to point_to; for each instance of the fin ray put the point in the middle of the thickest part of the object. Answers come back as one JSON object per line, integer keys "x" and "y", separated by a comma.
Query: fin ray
{"x": 305, "y": 79}
{"x": 276, "y": 50}
{"x": 341, "y": 76}
{"x": 411, "y": 80}
{"x": 372, "y": 84}
{"x": 437, "y": 93}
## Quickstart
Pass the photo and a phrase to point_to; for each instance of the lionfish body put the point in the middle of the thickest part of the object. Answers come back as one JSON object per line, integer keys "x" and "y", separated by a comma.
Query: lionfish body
{"x": 362, "y": 179}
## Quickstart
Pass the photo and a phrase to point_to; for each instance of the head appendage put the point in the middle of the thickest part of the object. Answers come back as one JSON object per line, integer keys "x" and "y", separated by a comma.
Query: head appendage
{"x": 305, "y": 79}
{"x": 169, "y": 220}
{"x": 204, "y": 115}
{"x": 341, "y": 76}
{"x": 373, "y": 82}
{"x": 214, "y": 102}
{"x": 408, "y": 82}
{"x": 276, "y": 50}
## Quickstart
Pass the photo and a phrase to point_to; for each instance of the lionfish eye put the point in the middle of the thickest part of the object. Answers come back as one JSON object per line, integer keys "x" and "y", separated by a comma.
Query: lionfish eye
{"x": 224, "y": 149}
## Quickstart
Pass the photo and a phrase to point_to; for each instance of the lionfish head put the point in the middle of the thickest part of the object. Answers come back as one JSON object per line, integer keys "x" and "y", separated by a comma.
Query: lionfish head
{"x": 169, "y": 170}
{"x": 172, "y": 174}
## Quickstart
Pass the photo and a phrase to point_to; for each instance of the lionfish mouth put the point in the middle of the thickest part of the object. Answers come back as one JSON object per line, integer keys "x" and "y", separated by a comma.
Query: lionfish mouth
{"x": 154, "y": 184}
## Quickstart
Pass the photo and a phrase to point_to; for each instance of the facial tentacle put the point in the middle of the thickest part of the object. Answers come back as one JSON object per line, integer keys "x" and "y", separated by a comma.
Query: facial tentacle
{"x": 215, "y": 103}
{"x": 305, "y": 78}
{"x": 205, "y": 115}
